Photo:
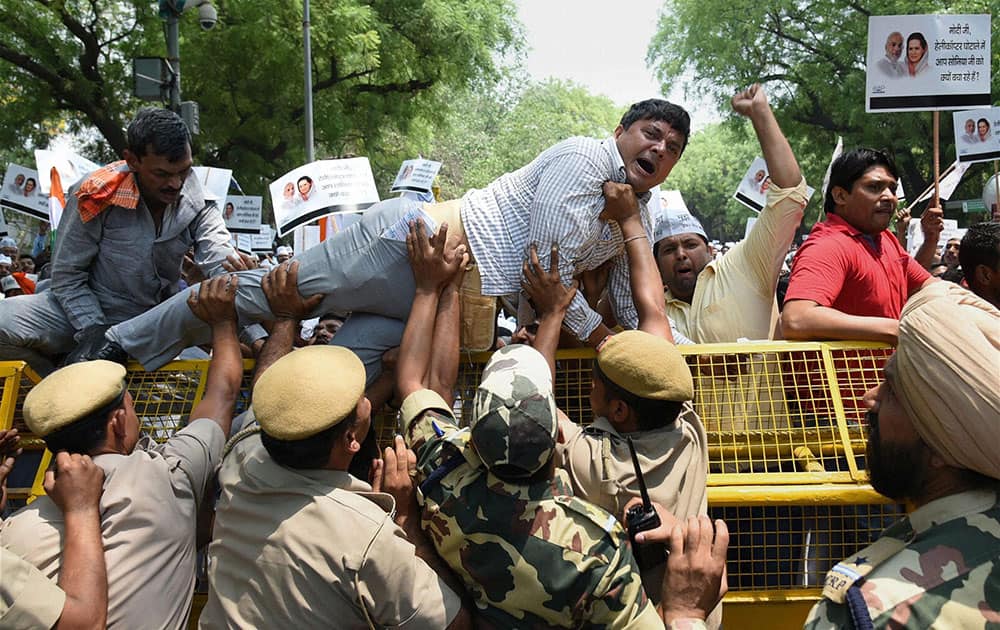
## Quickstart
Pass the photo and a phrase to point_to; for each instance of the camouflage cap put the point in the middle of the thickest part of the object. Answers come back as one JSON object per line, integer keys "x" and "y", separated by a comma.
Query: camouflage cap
{"x": 514, "y": 428}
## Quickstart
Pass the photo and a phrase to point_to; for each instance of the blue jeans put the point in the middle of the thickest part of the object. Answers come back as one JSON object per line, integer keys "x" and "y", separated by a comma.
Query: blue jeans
{"x": 357, "y": 270}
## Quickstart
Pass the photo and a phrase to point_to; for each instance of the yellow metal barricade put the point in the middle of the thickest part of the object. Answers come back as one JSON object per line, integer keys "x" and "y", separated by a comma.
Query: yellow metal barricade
{"x": 785, "y": 426}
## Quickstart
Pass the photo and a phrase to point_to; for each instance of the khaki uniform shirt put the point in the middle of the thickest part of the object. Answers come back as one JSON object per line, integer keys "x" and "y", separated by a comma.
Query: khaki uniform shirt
{"x": 735, "y": 295}
{"x": 27, "y": 598}
{"x": 311, "y": 549}
{"x": 148, "y": 519}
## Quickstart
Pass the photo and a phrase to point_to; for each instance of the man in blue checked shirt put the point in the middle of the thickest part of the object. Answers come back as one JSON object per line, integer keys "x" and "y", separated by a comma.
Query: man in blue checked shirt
{"x": 557, "y": 198}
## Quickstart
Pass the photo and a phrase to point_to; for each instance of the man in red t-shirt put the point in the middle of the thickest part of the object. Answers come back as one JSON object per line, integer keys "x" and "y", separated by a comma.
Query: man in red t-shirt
{"x": 851, "y": 277}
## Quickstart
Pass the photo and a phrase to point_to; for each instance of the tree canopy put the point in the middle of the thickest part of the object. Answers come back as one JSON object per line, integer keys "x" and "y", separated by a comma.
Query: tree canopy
{"x": 810, "y": 55}
{"x": 378, "y": 65}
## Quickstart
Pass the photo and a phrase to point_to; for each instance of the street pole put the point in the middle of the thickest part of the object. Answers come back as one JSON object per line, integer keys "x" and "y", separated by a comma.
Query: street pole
{"x": 173, "y": 20}
{"x": 308, "y": 83}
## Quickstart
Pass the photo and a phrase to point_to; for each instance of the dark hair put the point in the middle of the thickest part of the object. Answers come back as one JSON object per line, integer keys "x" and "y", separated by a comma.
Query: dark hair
{"x": 651, "y": 414}
{"x": 86, "y": 434}
{"x": 34, "y": 184}
{"x": 917, "y": 36}
{"x": 983, "y": 120}
{"x": 305, "y": 177}
{"x": 850, "y": 167}
{"x": 161, "y": 129}
{"x": 310, "y": 452}
{"x": 979, "y": 247}
{"x": 23, "y": 256}
{"x": 659, "y": 109}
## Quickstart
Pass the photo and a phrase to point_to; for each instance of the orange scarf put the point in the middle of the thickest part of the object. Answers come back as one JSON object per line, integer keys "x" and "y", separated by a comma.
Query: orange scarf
{"x": 107, "y": 186}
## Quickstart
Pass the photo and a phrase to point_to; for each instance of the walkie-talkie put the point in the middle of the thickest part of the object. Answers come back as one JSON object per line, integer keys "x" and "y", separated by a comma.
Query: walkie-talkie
{"x": 641, "y": 518}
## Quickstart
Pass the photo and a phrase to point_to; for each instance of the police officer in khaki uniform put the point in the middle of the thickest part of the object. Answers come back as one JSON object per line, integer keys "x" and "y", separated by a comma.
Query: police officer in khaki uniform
{"x": 30, "y": 600}
{"x": 151, "y": 497}
{"x": 299, "y": 542}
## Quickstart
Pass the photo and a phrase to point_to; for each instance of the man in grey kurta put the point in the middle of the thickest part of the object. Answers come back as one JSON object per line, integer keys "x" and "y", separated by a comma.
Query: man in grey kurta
{"x": 117, "y": 263}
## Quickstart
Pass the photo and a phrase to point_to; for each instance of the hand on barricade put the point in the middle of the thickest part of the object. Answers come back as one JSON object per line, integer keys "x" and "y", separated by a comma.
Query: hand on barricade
{"x": 281, "y": 288}
{"x": 10, "y": 448}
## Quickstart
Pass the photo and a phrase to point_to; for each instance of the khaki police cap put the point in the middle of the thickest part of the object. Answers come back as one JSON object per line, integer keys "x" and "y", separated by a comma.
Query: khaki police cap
{"x": 308, "y": 391}
{"x": 647, "y": 366}
{"x": 72, "y": 393}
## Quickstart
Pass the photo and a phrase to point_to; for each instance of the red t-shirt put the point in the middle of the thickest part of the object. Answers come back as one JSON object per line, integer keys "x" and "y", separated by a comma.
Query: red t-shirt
{"x": 839, "y": 267}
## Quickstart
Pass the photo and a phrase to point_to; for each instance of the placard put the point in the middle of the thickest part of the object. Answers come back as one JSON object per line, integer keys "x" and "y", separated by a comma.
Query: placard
{"x": 416, "y": 176}
{"x": 4, "y": 230}
{"x": 263, "y": 241}
{"x": 70, "y": 166}
{"x": 322, "y": 188}
{"x": 927, "y": 62}
{"x": 243, "y": 242}
{"x": 21, "y": 193}
{"x": 214, "y": 181}
{"x": 977, "y": 134}
{"x": 752, "y": 191}
{"x": 242, "y": 214}
{"x": 915, "y": 234}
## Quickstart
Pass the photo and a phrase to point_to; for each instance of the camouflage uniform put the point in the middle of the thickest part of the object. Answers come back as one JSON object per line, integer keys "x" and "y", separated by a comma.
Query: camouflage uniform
{"x": 939, "y": 567}
{"x": 530, "y": 554}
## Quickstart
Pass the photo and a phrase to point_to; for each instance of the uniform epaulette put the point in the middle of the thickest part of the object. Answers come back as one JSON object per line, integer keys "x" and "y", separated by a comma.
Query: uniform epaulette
{"x": 606, "y": 521}
{"x": 847, "y": 572}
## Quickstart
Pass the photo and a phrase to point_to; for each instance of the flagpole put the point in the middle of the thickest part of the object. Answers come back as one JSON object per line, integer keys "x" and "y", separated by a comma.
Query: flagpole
{"x": 937, "y": 159}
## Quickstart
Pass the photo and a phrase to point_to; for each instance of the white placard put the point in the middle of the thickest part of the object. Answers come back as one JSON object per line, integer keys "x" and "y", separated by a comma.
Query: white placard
{"x": 243, "y": 242}
{"x": 4, "y": 230}
{"x": 321, "y": 188}
{"x": 70, "y": 166}
{"x": 21, "y": 193}
{"x": 752, "y": 191}
{"x": 915, "y": 235}
{"x": 943, "y": 62}
{"x": 416, "y": 176}
{"x": 214, "y": 181}
{"x": 977, "y": 134}
{"x": 263, "y": 241}
{"x": 242, "y": 214}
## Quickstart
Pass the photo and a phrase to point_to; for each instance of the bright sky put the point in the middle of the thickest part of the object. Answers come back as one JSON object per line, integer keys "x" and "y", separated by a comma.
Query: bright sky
{"x": 600, "y": 44}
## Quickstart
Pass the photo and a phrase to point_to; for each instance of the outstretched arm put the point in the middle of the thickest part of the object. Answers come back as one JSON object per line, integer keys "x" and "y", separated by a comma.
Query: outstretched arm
{"x": 214, "y": 304}
{"x": 644, "y": 276}
{"x": 781, "y": 163}
{"x": 550, "y": 297}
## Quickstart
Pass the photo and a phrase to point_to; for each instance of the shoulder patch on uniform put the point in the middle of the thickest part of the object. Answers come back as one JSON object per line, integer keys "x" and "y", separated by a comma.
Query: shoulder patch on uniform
{"x": 845, "y": 573}
{"x": 602, "y": 519}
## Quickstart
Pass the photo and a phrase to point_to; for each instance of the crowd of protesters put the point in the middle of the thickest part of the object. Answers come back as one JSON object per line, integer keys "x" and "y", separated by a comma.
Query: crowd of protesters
{"x": 513, "y": 515}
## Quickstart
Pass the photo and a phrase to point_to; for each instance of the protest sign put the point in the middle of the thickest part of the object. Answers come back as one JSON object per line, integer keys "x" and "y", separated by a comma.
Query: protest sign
{"x": 321, "y": 188}
{"x": 243, "y": 242}
{"x": 242, "y": 214}
{"x": 4, "y": 230}
{"x": 915, "y": 235}
{"x": 752, "y": 191}
{"x": 927, "y": 62}
{"x": 214, "y": 181}
{"x": 416, "y": 176}
{"x": 20, "y": 193}
{"x": 977, "y": 134}
{"x": 263, "y": 241}
{"x": 70, "y": 166}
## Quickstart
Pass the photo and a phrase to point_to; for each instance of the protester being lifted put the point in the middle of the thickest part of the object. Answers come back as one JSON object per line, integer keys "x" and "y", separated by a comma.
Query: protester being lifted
{"x": 556, "y": 198}
{"x": 119, "y": 246}
{"x": 851, "y": 277}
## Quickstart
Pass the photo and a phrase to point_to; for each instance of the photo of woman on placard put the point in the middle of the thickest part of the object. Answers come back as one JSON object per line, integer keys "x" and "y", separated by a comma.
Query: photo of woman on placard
{"x": 916, "y": 54}
{"x": 983, "y": 126}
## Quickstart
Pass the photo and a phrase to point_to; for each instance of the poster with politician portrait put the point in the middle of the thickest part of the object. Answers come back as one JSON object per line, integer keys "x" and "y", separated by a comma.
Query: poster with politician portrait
{"x": 321, "y": 188}
{"x": 927, "y": 62}
{"x": 977, "y": 134}
{"x": 21, "y": 192}
{"x": 752, "y": 191}
{"x": 242, "y": 213}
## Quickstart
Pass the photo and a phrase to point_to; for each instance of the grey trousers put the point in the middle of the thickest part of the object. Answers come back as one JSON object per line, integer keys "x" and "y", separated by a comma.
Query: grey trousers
{"x": 34, "y": 328}
{"x": 357, "y": 270}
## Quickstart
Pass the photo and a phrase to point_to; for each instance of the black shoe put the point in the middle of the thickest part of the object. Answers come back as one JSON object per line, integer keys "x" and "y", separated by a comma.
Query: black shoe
{"x": 94, "y": 345}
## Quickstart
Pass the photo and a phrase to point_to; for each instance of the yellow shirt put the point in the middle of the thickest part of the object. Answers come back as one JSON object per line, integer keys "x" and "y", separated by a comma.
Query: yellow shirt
{"x": 734, "y": 296}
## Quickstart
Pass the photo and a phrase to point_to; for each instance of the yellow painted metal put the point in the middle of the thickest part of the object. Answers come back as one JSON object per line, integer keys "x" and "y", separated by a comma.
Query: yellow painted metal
{"x": 838, "y": 406}
{"x": 10, "y": 372}
{"x": 823, "y": 494}
{"x": 774, "y": 610}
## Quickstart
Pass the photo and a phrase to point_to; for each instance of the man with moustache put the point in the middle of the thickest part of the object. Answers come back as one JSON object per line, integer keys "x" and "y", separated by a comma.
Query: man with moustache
{"x": 851, "y": 277}
{"x": 123, "y": 234}
{"x": 889, "y": 65}
{"x": 934, "y": 423}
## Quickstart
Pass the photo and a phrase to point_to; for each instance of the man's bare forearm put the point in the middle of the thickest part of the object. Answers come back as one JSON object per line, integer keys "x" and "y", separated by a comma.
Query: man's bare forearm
{"x": 278, "y": 344}
{"x": 83, "y": 575}
{"x": 415, "y": 348}
{"x": 443, "y": 372}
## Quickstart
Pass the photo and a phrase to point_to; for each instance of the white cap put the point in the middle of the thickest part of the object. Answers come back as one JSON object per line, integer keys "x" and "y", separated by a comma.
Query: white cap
{"x": 283, "y": 249}
{"x": 7, "y": 242}
{"x": 5, "y": 260}
{"x": 8, "y": 282}
{"x": 673, "y": 222}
